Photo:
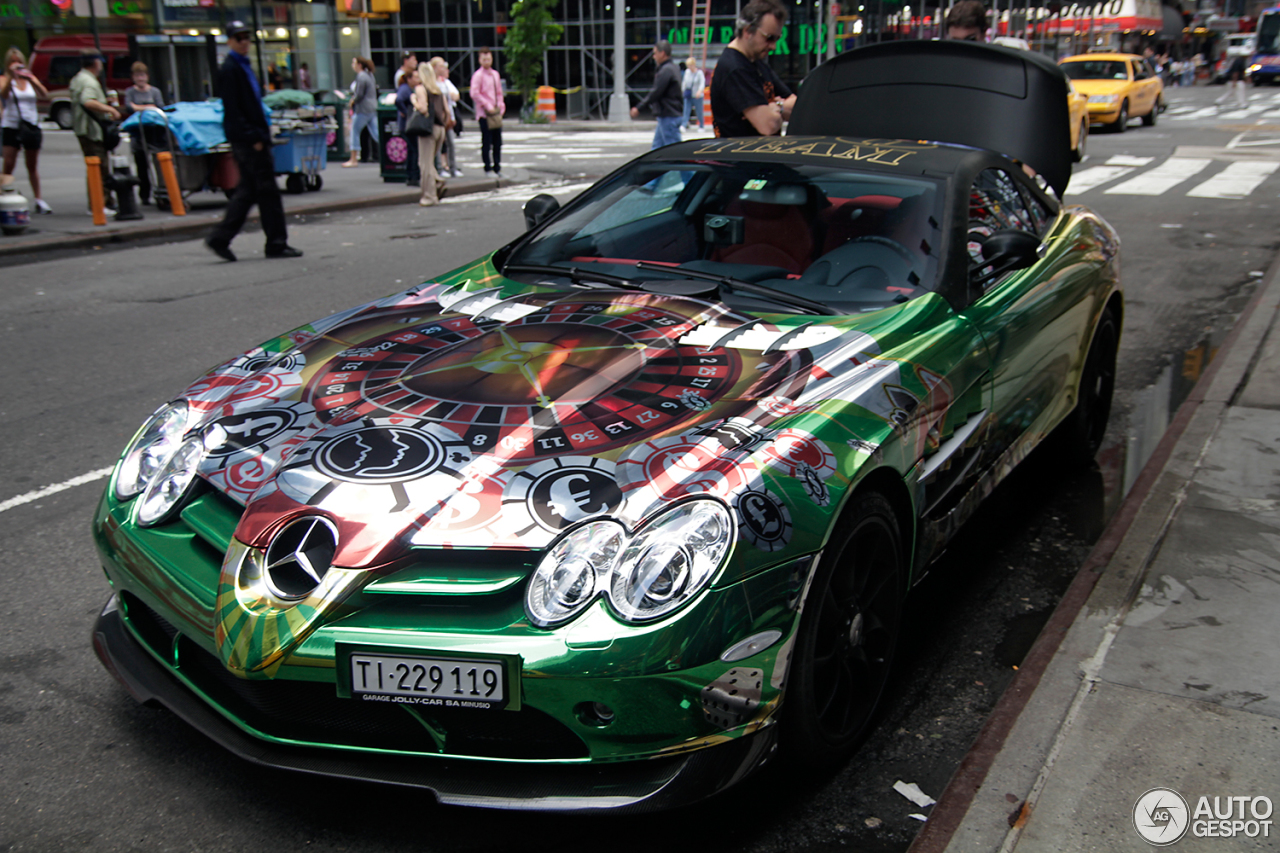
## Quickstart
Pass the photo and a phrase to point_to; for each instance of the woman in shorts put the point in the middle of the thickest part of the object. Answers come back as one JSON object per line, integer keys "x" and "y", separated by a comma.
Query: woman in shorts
{"x": 20, "y": 121}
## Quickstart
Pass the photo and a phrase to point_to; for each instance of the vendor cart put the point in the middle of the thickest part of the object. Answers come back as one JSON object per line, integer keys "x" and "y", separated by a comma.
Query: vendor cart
{"x": 301, "y": 141}
{"x": 191, "y": 133}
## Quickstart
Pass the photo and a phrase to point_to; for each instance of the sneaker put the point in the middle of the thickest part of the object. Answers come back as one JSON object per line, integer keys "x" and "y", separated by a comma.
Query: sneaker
{"x": 42, "y": 206}
{"x": 109, "y": 211}
{"x": 457, "y": 173}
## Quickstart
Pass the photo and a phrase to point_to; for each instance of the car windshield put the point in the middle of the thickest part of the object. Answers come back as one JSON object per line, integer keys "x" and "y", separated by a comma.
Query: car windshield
{"x": 1096, "y": 69}
{"x": 849, "y": 241}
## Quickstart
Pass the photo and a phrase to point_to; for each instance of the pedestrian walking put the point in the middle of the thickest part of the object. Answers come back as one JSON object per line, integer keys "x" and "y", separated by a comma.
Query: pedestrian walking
{"x": 404, "y": 106}
{"x": 967, "y": 21}
{"x": 664, "y": 98}
{"x": 1237, "y": 86}
{"x": 245, "y": 125}
{"x": 490, "y": 105}
{"x": 451, "y": 98}
{"x": 138, "y": 97}
{"x": 20, "y": 120}
{"x": 747, "y": 96}
{"x": 428, "y": 100}
{"x": 364, "y": 107}
{"x": 692, "y": 85}
{"x": 88, "y": 107}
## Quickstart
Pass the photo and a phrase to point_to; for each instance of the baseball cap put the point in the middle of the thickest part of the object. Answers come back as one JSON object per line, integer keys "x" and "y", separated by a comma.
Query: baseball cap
{"x": 238, "y": 28}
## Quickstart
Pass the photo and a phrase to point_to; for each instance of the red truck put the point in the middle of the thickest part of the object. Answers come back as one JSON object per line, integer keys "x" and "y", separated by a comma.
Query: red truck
{"x": 56, "y": 59}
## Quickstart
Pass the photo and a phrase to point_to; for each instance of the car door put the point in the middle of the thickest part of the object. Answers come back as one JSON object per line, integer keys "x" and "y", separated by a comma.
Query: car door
{"x": 1031, "y": 319}
{"x": 1144, "y": 88}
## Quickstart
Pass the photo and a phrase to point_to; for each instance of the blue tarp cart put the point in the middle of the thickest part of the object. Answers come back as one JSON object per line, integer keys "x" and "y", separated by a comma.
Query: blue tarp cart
{"x": 192, "y": 133}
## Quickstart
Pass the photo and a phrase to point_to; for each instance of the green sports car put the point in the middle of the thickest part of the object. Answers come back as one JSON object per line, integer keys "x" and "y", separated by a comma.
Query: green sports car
{"x": 611, "y": 516}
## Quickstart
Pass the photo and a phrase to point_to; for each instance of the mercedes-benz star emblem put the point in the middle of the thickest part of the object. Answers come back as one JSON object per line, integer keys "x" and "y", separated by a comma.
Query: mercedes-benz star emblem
{"x": 299, "y": 556}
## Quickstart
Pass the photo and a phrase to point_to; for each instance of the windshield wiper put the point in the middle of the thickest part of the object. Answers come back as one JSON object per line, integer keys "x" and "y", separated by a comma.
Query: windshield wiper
{"x": 799, "y": 302}
{"x": 577, "y": 276}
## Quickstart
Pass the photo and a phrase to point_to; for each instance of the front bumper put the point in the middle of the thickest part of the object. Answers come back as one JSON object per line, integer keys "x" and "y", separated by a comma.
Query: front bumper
{"x": 624, "y": 786}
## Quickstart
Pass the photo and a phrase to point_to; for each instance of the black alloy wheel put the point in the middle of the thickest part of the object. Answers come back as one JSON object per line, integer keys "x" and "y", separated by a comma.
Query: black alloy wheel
{"x": 1085, "y": 427}
{"x": 848, "y": 633}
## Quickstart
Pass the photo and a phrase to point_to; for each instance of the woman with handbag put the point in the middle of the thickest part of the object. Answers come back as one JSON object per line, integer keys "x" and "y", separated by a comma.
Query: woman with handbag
{"x": 20, "y": 120}
{"x": 404, "y": 111}
{"x": 486, "y": 94}
{"x": 428, "y": 107}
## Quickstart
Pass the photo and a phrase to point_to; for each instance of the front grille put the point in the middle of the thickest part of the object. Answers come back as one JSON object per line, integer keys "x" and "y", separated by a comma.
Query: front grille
{"x": 154, "y": 629}
{"x": 313, "y": 712}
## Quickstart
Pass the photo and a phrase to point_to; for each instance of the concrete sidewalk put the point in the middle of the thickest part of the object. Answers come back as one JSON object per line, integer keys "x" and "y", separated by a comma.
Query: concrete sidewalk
{"x": 1161, "y": 666}
{"x": 62, "y": 172}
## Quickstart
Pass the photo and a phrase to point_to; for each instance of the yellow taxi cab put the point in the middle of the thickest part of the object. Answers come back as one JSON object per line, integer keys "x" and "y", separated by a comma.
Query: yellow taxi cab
{"x": 1078, "y": 110}
{"x": 1118, "y": 85}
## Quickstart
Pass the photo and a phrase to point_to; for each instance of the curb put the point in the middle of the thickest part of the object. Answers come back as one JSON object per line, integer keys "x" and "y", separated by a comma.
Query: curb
{"x": 187, "y": 227}
{"x": 1136, "y": 531}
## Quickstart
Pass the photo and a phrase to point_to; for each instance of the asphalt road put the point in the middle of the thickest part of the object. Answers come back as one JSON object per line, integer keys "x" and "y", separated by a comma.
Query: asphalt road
{"x": 93, "y": 342}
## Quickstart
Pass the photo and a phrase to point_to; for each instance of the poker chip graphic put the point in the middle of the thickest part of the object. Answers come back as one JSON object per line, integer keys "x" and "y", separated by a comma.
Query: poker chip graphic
{"x": 466, "y": 516}
{"x": 376, "y": 466}
{"x": 245, "y": 448}
{"x": 794, "y": 449}
{"x": 554, "y": 494}
{"x": 763, "y": 519}
{"x": 251, "y": 380}
{"x": 667, "y": 469}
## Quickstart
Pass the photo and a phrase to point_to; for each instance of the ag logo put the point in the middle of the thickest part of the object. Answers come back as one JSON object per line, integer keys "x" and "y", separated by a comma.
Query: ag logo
{"x": 380, "y": 454}
{"x": 1161, "y": 816}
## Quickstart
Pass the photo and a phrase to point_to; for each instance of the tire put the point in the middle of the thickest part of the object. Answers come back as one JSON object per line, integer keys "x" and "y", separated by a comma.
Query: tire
{"x": 315, "y": 183}
{"x": 1082, "y": 142}
{"x": 848, "y": 632}
{"x": 294, "y": 184}
{"x": 162, "y": 204}
{"x": 1084, "y": 428}
{"x": 1122, "y": 123}
{"x": 1149, "y": 120}
{"x": 61, "y": 115}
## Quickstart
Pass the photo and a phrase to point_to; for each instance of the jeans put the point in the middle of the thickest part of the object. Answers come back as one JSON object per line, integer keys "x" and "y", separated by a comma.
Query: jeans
{"x": 412, "y": 169}
{"x": 490, "y": 142}
{"x": 667, "y": 132}
{"x": 695, "y": 104}
{"x": 358, "y": 123}
{"x": 257, "y": 186}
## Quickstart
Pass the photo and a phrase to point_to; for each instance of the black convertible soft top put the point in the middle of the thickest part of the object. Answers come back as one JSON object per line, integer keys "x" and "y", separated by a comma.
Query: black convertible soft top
{"x": 1010, "y": 101}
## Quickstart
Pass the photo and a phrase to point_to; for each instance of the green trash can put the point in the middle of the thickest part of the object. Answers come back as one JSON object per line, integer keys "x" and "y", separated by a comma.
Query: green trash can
{"x": 336, "y": 145}
{"x": 394, "y": 148}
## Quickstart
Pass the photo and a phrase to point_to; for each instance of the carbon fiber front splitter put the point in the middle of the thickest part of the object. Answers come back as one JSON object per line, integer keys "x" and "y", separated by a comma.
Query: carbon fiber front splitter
{"x": 626, "y": 786}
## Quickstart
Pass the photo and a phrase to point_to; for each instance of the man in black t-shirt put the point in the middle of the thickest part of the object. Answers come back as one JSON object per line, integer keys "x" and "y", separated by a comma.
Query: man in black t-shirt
{"x": 747, "y": 96}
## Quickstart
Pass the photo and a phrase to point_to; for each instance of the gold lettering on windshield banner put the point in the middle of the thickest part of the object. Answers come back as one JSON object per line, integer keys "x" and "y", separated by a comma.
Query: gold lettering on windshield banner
{"x": 885, "y": 152}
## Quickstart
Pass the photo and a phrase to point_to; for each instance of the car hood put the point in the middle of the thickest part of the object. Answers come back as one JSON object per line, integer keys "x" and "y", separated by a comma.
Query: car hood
{"x": 1101, "y": 87}
{"x": 456, "y": 416}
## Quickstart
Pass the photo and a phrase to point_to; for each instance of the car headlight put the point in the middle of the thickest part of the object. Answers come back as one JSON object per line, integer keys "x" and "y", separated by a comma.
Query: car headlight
{"x": 1103, "y": 99}
{"x": 1253, "y": 68}
{"x": 166, "y": 491}
{"x": 151, "y": 449}
{"x": 643, "y": 575}
{"x": 568, "y": 577}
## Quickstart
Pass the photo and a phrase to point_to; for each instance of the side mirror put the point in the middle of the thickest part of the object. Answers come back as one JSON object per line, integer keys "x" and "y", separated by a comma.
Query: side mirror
{"x": 1005, "y": 251}
{"x": 537, "y": 209}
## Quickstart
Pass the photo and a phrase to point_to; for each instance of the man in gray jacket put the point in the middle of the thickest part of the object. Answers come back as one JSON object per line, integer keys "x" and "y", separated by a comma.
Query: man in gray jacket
{"x": 666, "y": 98}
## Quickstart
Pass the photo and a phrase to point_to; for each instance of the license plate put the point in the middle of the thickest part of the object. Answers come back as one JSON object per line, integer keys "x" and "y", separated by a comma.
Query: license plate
{"x": 428, "y": 681}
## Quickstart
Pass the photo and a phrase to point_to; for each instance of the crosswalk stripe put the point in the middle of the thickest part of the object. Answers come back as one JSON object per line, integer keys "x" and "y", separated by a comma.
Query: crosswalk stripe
{"x": 1127, "y": 160}
{"x": 1162, "y": 178}
{"x": 1085, "y": 180}
{"x": 1236, "y": 181}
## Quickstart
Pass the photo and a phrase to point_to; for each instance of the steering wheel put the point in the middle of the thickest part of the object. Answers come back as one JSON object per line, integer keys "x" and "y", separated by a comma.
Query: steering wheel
{"x": 902, "y": 250}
